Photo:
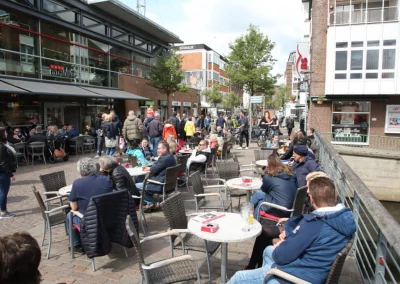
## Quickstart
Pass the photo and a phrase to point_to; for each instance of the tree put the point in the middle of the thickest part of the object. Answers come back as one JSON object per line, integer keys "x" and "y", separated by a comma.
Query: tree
{"x": 213, "y": 95}
{"x": 167, "y": 76}
{"x": 250, "y": 62}
{"x": 230, "y": 100}
{"x": 281, "y": 96}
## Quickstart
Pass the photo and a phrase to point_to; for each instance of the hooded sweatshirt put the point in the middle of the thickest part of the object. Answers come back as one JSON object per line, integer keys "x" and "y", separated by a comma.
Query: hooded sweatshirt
{"x": 169, "y": 129}
{"x": 313, "y": 241}
{"x": 133, "y": 128}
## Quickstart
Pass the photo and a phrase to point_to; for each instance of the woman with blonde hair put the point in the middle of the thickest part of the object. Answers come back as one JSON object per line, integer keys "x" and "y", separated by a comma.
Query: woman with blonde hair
{"x": 110, "y": 135}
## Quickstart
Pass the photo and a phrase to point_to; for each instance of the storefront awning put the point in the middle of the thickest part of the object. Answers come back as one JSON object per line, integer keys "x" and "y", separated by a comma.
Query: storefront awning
{"x": 42, "y": 88}
{"x": 6, "y": 88}
{"x": 114, "y": 93}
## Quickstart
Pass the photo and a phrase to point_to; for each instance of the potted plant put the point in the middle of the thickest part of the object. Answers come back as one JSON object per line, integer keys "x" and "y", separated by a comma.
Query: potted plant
{"x": 320, "y": 100}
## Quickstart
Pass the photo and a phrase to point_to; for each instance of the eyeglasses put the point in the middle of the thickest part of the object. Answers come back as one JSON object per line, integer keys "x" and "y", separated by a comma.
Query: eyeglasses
{"x": 202, "y": 144}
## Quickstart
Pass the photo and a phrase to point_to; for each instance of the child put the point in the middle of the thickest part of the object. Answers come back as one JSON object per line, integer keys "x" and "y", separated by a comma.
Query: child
{"x": 144, "y": 146}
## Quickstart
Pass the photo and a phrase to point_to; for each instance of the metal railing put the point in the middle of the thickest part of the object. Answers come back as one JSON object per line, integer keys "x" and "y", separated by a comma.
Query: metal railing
{"x": 370, "y": 15}
{"x": 377, "y": 240}
{"x": 389, "y": 143}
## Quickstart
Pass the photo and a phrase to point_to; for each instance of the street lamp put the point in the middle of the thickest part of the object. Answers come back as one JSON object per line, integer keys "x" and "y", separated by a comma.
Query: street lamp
{"x": 306, "y": 78}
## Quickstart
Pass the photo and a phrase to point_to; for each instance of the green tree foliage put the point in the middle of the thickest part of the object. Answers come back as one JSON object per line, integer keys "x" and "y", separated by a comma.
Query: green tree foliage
{"x": 250, "y": 62}
{"x": 281, "y": 96}
{"x": 213, "y": 95}
{"x": 167, "y": 76}
{"x": 230, "y": 100}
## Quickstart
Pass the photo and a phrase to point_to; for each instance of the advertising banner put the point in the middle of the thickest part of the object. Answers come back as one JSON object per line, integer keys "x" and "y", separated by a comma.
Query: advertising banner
{"x": 392, "y": 120}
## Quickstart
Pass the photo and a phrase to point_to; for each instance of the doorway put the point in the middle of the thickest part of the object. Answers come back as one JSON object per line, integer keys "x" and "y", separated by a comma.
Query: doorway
{"x": 56, "y": 114}
{"x": 72, "y": 117}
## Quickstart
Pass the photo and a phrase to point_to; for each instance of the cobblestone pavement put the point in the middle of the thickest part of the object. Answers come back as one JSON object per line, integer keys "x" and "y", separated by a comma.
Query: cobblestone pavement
{"x": 115, "y": 267}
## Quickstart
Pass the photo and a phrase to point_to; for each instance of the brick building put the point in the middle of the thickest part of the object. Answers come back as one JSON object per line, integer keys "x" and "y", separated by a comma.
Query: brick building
{"x": 354, "y": 50}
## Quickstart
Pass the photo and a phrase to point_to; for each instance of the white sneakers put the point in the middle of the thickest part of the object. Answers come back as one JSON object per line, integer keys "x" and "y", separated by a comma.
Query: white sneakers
{"x": 240, "y": 148}
{"x": 247, "y": 148}
{"x": 97, "y": 156}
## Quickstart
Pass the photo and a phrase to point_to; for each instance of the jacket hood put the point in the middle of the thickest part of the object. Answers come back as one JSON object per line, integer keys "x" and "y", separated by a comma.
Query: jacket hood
{"x": 341, "y": 220}
{"x": 168, "y": 126}
{"x": 283, "y": 175}
{"x": 131, "y": 117}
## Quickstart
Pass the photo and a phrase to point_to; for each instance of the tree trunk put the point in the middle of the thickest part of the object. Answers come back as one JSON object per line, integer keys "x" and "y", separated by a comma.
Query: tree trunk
{"x": 169, "y": 107}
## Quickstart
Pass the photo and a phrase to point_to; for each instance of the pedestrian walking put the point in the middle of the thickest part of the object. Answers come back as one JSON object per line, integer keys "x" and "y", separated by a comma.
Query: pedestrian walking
{"x": 289, "y": 124}
{"x": 244, "y": 130}
{"x": 154, "y": 131}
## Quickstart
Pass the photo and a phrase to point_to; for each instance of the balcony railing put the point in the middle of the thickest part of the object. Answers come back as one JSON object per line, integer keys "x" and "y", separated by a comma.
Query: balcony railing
{"x": 359, "y": 16}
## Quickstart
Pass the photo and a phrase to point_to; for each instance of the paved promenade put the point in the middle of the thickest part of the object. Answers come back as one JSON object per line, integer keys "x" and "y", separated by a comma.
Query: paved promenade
{"x": 115, "y": 267}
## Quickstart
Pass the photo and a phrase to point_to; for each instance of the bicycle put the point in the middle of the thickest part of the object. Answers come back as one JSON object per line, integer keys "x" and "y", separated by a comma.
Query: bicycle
{"x": 265, "y": 135}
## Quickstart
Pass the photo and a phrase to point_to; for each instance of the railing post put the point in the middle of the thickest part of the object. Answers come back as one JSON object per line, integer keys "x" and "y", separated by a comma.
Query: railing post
{"x": 343, "y": 189}
{"x": 380, "y": 259}
{"x": 356, "y": 213}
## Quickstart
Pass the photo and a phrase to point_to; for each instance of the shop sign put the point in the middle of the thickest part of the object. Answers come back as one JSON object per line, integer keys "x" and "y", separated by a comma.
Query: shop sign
{"x": 304, "y": 86}
{"x": 392, "y": 119}
{"x": 61, "y": 71}
{"x": 302, "y": 55}
{"x": 187, "y": 104}
{"x": 163, "y": 103}
{"x": 149, "y": 103}
{"x": 175, "y": 103}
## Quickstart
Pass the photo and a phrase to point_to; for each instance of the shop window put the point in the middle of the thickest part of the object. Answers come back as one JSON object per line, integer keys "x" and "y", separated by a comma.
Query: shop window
{"x": 21, "y": 111}
{"x": 341, "y": 60}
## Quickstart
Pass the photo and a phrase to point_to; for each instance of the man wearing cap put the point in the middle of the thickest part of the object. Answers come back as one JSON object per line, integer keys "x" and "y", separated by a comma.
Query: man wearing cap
{"x": 303, "y": 164}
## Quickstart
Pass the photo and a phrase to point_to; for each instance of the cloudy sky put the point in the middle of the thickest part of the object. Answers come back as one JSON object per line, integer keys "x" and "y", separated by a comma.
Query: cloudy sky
{"x": 218, "y": 22}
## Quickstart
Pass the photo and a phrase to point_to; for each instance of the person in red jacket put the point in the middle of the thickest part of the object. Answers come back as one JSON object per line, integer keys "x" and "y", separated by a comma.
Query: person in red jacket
{"x": 168, "y": 130}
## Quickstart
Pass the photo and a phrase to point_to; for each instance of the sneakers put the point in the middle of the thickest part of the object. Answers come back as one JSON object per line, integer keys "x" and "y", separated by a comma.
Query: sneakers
{"x": 97, "y": 156}
{"x": 7, "y": 215}
{"x": 239, "y": 148}
{"x": 247, "y": 148}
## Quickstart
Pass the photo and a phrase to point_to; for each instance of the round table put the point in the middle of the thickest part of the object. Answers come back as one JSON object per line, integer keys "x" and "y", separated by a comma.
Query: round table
{"x": 186, "y": 151}
{"x": 230, "y": 231}
{"x": 249, "y": 187}
{"x": 262, "y": 163}
{"x": 65, "y": 191}
{"x": 136, "y": 171}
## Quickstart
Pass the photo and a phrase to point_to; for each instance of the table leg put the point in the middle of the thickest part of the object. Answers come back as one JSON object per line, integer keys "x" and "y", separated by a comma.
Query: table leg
{"x": 248, "y": 193}
{"x": 224, "y": 258}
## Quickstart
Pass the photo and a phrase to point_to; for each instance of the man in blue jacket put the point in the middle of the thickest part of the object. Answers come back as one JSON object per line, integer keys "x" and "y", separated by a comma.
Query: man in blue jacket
{"x": 303, "y": 164}
{"x": 310, "y": 242}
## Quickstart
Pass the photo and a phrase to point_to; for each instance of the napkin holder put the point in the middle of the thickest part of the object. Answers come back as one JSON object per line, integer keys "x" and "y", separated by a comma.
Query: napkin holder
{"x": 209, "y": 227}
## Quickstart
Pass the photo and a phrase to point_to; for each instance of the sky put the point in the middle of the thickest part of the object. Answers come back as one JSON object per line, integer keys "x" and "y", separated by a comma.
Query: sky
{"x": 217, "y": 23}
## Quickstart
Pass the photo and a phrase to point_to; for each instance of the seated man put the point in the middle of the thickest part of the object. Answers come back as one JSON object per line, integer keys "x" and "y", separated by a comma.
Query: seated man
{"x": 38, "y": 136}
{"x": 83, "y": 189}
{"x": 310, "y": 242}
{"x": 303, "y": 164}
{"x": 157, "y": 173}
{"x": 199, "y": 157}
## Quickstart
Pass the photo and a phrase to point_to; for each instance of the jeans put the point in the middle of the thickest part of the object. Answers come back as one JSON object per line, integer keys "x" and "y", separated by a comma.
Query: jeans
{"x": 154, "y": 144}
{"x": 244, "y": 133}
{"x": 100, "y": 141}
{"x": 76, "y": 238}
{"x": 110, "y": 151}
{"x": 148, "y": 199}
{"x": 5, "y": 182}
{"x": 256, "y": 276}
{"x": 257, "y": 199}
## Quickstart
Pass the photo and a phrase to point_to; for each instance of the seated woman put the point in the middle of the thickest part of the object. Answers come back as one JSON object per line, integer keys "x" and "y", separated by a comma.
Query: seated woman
{"x": 144, "y": 146}
{"x": 268, "y": 233}
{"x": 297, "y": 139}
{"x": 274, "y": 142}
{"x": 118, "y": 175}
{"x": 172, "y": 150}
{"x": 279, "y": 186}
{"x": 138, "y": 153}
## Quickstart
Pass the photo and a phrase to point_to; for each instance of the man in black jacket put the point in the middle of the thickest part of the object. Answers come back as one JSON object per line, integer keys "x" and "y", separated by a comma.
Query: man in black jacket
{"x": 175, "y": 121}
{"x": 154, "y": 131}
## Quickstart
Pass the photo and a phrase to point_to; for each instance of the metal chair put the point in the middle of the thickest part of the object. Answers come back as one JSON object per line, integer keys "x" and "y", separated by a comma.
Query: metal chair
{"x": 36, "y": 149}
{"x": 174, "y": 212}
{"x": 176, "y": 269}
{"x": 51, "y": 218}
{"x": 89, "y": 143}
{"x": 224, "y": 152}
{"x": 201, "y": 197}
{"x": 77, "y": 143}
{"x": 272, "y": 150}
{"x": 182, "y": 161}
{"x": 20, "y": 149}
{"x": 141, "y": 206}
{"x": 52, "y": 182}
{"x": 334, "y": 273}
{"x": 262, "y": 154}
{"x": 297, "y": 208}
{"x": 170, "y": 183}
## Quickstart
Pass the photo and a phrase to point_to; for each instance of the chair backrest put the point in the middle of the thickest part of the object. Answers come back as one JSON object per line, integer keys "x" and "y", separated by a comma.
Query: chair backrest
{"x": 53, "y": 182}
{"x": 40, "y": 202}
{"x": 197, "y": 184}
{"x": 174, "y": 212}
{"x": 299, "y": 199}
{"x": 37, "y": 147}
{"x": 130, "y": 228}
{"x": 228, "y": 170}
{"x": 225, "y": 149}
{"x": 19, "y": 146}
{"x": 133, "y": 161}
{"x": 337, "y": 265}
{"x": 262, "y": 154}
{"x": 170, "y": 178}
{"x": 182, "y": 161}
{"x": 272, "y": 150}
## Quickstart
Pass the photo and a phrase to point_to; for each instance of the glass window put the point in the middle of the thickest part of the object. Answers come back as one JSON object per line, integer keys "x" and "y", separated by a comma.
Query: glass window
{"x": 99, "y": 77}
{"x": 371, "y": 76}
{"x": 95, "y": 26}
{"x": 341, "y": 60}
{"x": 372, "y": 59}
{"x": 114, "y": 78}
{"x": 20, "y": 110}
{"x": 60, "y": 71}
{"x": 356, "y": 76}
{"x": 386, "y": 75}
{"x": 373, "y": 43}
{"x": 356, "y": 60}
{"x": 357, "y": 44}
{"x": 19, "y": 64}
{"x": 390, "y": 42}
{"x": 351, "y": 106}
{"x": 116, "y": 32}
{"x": 51, "y": 6}
{"x": 68, "y": 16}
{"x": 96, "y": 55}
{"x": 120, "y": 63}
{"x": 138, "y": 41}
{"x": 340, "y": 76}
{"x": 388, "y": 58}
{"x": 341, "y": 44}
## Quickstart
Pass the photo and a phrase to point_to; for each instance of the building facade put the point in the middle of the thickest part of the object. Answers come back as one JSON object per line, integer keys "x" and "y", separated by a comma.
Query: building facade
{"x": 204, "y": 68}
{"x": 66, "y": 61}
{"x": 355, "y": 75}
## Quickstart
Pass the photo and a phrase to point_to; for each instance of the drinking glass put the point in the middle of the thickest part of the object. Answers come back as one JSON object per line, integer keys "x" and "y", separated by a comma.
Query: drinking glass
{"x": 245, "y": 213}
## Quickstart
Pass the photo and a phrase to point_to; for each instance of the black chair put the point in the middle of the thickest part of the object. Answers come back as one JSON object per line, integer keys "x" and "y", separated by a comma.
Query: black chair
{"x": 170, "y": 183}
{"x": 52, "y": 182}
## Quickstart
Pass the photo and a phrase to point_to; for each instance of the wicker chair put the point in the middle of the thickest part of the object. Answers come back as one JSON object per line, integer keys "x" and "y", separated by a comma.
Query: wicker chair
{"x": 297, "y": 208}
{"x": 51, "y": 218}
{"x": 36, "y": 149}
{"x": 20, "y": 149}
{"x": 176, "y": 269}
{"x": 52, "y": 183}
{"x": 334, "y": 273}
{"x": 174, "y": 212}
{"x": 88, "y": 143}
{"x": 77, "y": 144}
{"x": 170, "y": 183}
{"x": 201, "y": 197}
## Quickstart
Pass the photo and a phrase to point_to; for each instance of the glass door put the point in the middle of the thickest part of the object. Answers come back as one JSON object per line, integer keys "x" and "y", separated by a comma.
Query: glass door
{"x": 53, "y": 114}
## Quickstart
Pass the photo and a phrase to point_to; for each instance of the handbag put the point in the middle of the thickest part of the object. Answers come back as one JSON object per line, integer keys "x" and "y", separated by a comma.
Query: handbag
{"x": 111, "y": 143}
